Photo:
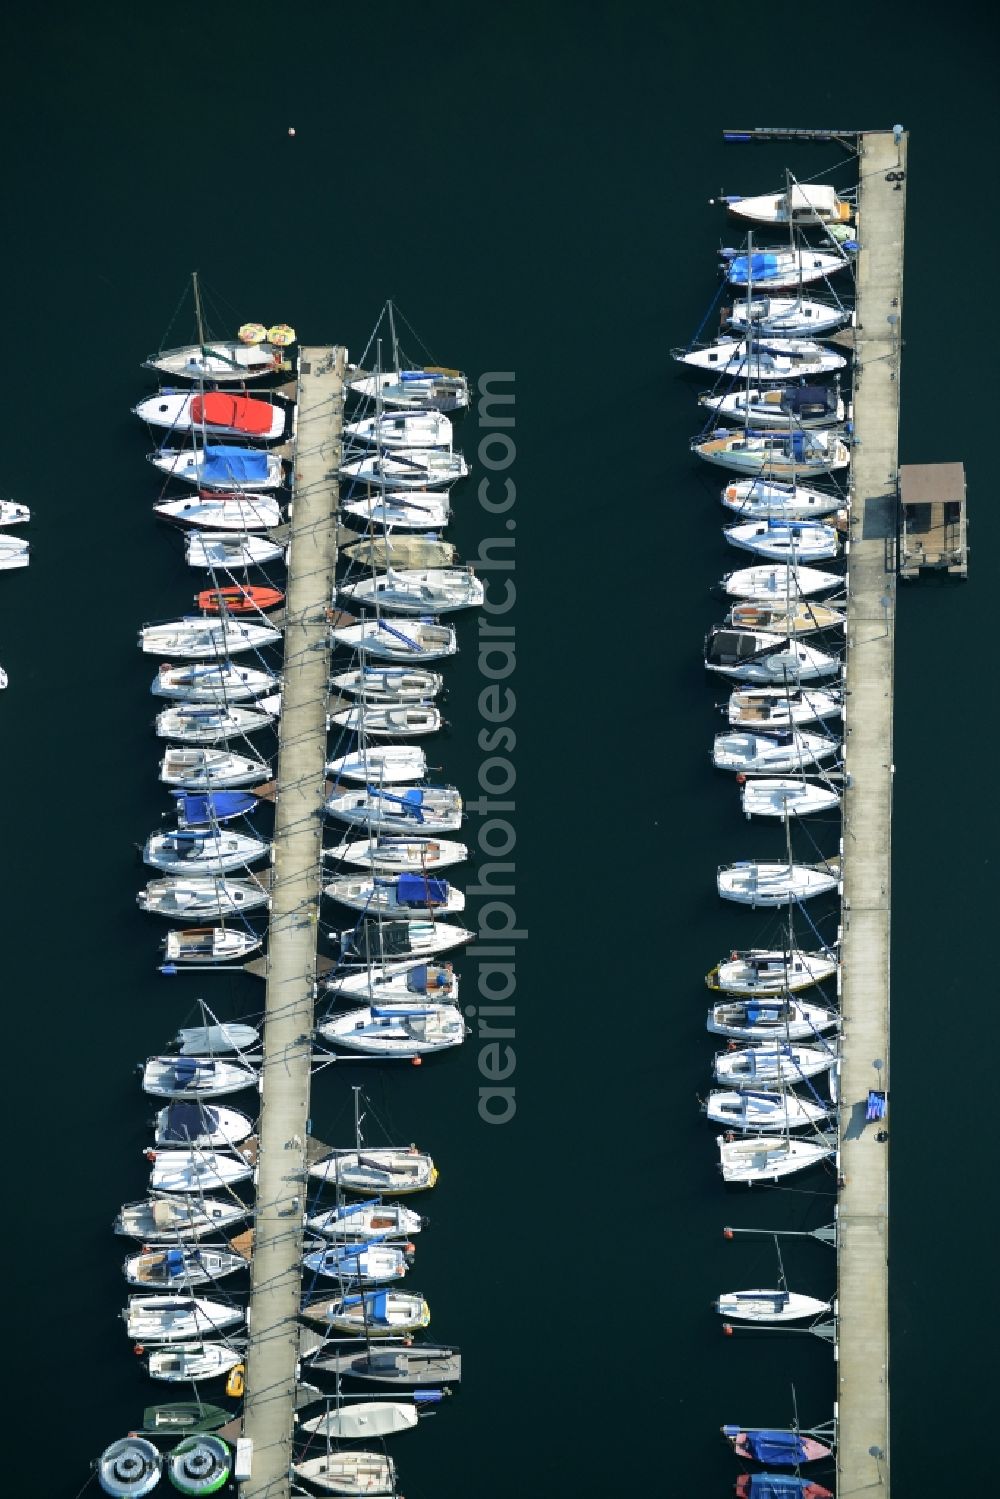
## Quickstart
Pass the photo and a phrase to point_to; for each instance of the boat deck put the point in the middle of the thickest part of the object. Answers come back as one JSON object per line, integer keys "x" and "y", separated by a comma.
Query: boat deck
{"x": 273, "y": 1348}
{"x": 863, "y": 1216}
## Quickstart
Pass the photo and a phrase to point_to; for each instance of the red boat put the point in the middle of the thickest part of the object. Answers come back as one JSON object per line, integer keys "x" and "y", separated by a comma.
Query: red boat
{"x": 779, "y": 1486}
{"x": 776, "y": 1448}
{"x": 238, "y": 599}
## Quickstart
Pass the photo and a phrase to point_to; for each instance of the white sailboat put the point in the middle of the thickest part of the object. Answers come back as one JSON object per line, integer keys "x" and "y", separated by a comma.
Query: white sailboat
{"x": 14, "y": 553}
{"x": 195, "y": 1172}
{"x": 782, "y": 269}
{"x": 201, "y": 899}
{"x": 381, "y": 765}
{"x": 799, "y": 453}
{"x": 406, "y": 468}
{"x": 230, "y": 513}
{"x": 187, "y": 1363}
{"x": 220, "y": 682}
{"x": 430, "y": 590}
{"x": 410, "y": 510}
{"x": 374, "y": 1262}
{"x": 391, "y": 1171}
{"x": 768, "y": 1112}
{"x": 760, "y": 1019}
{"x": 210, "y": 944}
{"x": 191, "y": 851}
{"x": 170, "y": 1319}
{"x": 195, "y": 635}
{"x": 760, "y": 883}
{"x": 372, "y": 1314}
{"x": 420, "y": 809}
{"x": 794, "y": 542}
{"x": 764, "y": 359}
{"x": 407, "y": 1028}
{"x": 196, "y": 1077}
{"x": 389, "y": 684}
{"x": 756, "y": 656}
{"x": 364, "y": 1419}
{"x": 354, "y": 1222}
{"x": 787, "y": 407}
{"x": 388, "y": 720}
{"x": 763, "y": 1158}
{"x": 787, "y": 317}
{"x": 784, "y": 797}
{"x": 778, "y": 708}
{"x": 401, "y": 429}
{"x": 13, "y": 514}
{"x": 182, "y": 1267}
{"x": 403, "y": 640}
{"x": 219, "y": 466}
{"x": 396, "y": 983}
{"x": 176, "y": 1219}
{"x": 196, "y": 723}
{"x": 771, "y": 1064}
{"x": 385, "y": 854}
{"x": 396, "y": 894}
{"x": 762, "y": 972}
{"x": 346, "y": 1472}
{"x": 762, "y": 754}
{"x": 220, "y": 550}
{"x": 200, "y": 768}
{"x": 769, "y": 1306}
{"x": 770, "y": 583}
{"x": 379, "y": 942}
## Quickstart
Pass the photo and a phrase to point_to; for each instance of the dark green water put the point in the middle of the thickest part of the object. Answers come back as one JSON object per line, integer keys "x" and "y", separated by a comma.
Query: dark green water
{"x": 531, "y": 187}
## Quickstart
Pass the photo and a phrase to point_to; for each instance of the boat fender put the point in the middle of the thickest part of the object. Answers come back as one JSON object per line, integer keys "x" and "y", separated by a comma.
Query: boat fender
{"x": 741, "y": 779}
{"x": 138, "y": 1350}
{"x": 733, "y": 957}
{"x": 150, "y": 1155}
{"x": 729, "y": 1136}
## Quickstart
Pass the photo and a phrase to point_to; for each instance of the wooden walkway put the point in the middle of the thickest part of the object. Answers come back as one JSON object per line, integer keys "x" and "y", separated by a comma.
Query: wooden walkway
{"x": 863, "y": 1217}
{"x": 273, "y": 1348}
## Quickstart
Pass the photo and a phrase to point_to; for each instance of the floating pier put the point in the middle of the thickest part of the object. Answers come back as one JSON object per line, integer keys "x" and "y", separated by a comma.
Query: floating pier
{"x": 291, "y": 963}
{"x": 862, "y": 1347}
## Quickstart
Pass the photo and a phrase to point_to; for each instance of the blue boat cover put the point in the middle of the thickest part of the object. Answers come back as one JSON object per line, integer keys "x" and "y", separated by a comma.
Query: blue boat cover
{"x": 414, "y": 375}
{"x": 380, "y": 1306}
{"x": 185, "y": 1121}
{"x": 175, "y": 1261}
{"x": 185, "y": 1071}
{"x": 418, "y": 890}
{"x": 759, "y": 264}
{"x": 786, "y": 1448}
{"x": 416, "y": 979}
{"x": 397, "y": 1012}
{"x": 776, "y": 1486}
{"x": 213, "y": 805}
{"x": 236, "y": 464}
{"x": 798, "y": 444}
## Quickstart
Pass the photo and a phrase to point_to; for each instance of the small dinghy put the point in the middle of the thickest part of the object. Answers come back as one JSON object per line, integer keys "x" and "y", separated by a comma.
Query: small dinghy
{"x": 758, "y": 656}
{"x": 815, "y": 203}
{"x": 758, "y": 1019}
{"x": 211, "y": 1040}
{"x": 197, "y": 636}
{"x": 354, "y": 1222}
{"x": 223, "y": 512}
{"x": 220, "y": 683}
{"x": 405, "y": 1028}
{"x": 223, "y": 361}
{"x": 785, "y": 541}
{"x": 348, "y": 1472}
{"x": 776, "y": 455}
{"x": 782, "y": 797}
{"x": 407, "y": 640}
{"x": 771, "y": 1065}
{"x": 420, "y": 1364}
{"x": 199, "y": 1124}
{"x": 209, "y": 723}
{"x": 219, "y": 550}
{"x": 169, "y": 1220}
{"x": 174, "y": 1418}
{"x": 782, "y": 270}
{"x": 397, "y": 982}
{"x": 175, "y": 1319}
{"x": 424, "y": 809}
{"x": 432, "y": 590}
{"x": 406, "y": 468}
{"x": 195, "y": 1077}
{"x": 782, "y": 1449}
{"x": 768, "y": 1306}
{"x": 428, "y": 389}
{"x": 182, "y": 1268}
{"x": 762, "y": 1158}
{"x": 13, "y": 553}
{"x": 787, "y": 317}
{"x": 790, "y": 407}
{"x": 198, "y": 853}
{"x": 373, "y": 1314}
{"x": 215, "y": 413}
{"x": 238, "y": 598}
{"x": 194, "y": 1172}
{"x": 750, "y": 1111}
{"x": 781, "y": 749}
{"x": 200, "y": 1465}
{"x": 13, "y": 514}
{"x": 186, "y": 1363}
{"x": 206, "y": 809}
{"x": 129, "y": 1468}
{"x": 401, "y": 429}
{"x": 386, "y": 765}
{"x": 232, "y": 469}
{"x": 777, "y": 708}
{"x": 764, "y": 360}
{"x": 799, "y": 617}
{"x": 388, "y": 720}
{"x": 779, "y": 1486}
{"x": 410, "y": 510}
{"x": 385, "y": 941}
{"x": 375, "y": 1263}
{"x": 756, "y": 883}
{"x": 758, "y": 972}
{"x": 180, "y": 899}
{"x": 396, "y": 895}
{"x": 389, "y": 684}
{"x": 759, "y": 499}
{"x": 211, "y": 767}
{"x": 364, "y": 1419}
{"x": 386, "y": 855}
{"x": 210, "y": 944}
{"x": 774, "y": 583}
{"x": 383, "y": 1170}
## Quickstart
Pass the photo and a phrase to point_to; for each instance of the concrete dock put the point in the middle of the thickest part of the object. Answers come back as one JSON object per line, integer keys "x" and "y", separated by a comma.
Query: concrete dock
{"x": 863, "y": 1217}
{"x": 291, "y": 959}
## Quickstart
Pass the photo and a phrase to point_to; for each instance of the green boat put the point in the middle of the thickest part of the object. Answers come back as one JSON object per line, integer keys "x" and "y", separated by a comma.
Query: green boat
{"x": 184, "y": 1418}
{"x": 200, "y": 1465}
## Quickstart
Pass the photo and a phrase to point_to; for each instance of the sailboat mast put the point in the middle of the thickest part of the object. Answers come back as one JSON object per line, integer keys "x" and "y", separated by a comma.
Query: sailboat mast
{"x": 197, "y": 309}
{"x": 392, "y": 335}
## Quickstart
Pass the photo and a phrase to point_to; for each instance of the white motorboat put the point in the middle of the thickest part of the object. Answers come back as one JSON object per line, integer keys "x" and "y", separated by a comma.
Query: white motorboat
{"x": 198, "y": 768}
{"x": 785, "y": 541}
{"x": 374, "y": 1263}
{"x": 429, "y": 389}
{"x": 757, "y": 656}
{"x": 769, "y": 1112}
{"x": 409, "y": 510}
{"x": 798, "y": 453}
{"x": 364, "y": 1418}
{"x": 420, "y": 809}
{"x": 406, "y": 468}
{"x": 392, "y": 1170}
{"x": 197, "y": 635}
{"x": 215, "y": 413}
{"x": 210, "y": 944}
{"x": 196, "y": 1077}
{"x": 372, "y": 1314}
{"x": 783, "y": 406}
{"x": 389, "y": 684}
{"x": 225, "y": 552}
{"x": 780, "y": 269}
{"x": 430, "y": 590}
{"x": 223, "y": 361}
{"x": 760, "y": 1019}
{"x": 410, "y": 1028}
{"x": 208, "y": 723}
{"x": 403, "y": 640}
{"x": 400, "y": 429}
{"x": 210, "y": 1040}
{"x": 808, "y": 205}
{"x": 380, "y": 941}
{"x": 190, "y": 851}
{"x": 757, "y": 883}
{"x": 781, "y": 798}
{"x": 182, "y": 1267}
{"x": 796, "y": 617}
{"x": 771, "y": 1065}
{"x": 386, "y": 855}
{"x": 778, "y": 708}
{"x": 173, "y": 1319}
{"x": 238, "y": 513}
{"x": 176, "y": 1219}
{"x": 769, "y": 1306}
{"x": 186, "y": 1363}
{"x": 351, "y": 1222}
{"x": 774, "y": 583}
{"x": 200, "y": 1125}
{"x": 219, "y": 682}
{"x": 787, "y": 317}
{"x": 777, "y": 750}
{"x": 762, "y": 1158}
{"x": 380, "y": 765}
{"x": 760, "y": 499}
{"x": 202, "y": 899}
{"x": 397, "y": 982}
{"x": 758, "y": 972}
{"x": 764, "y": 359}
{"x": 14, "y": 553}
{"x": 13, "y": 514}
{"x": 388, "y": 720}
{"x": 194, "y": 1172}
{"x": 346, "y": 1472}
{"x": 231, "y": 469}
{"x": 396, "y": 894}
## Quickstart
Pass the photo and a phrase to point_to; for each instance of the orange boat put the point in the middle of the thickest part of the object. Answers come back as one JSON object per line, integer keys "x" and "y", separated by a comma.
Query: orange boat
{"x": 238, "y": 599}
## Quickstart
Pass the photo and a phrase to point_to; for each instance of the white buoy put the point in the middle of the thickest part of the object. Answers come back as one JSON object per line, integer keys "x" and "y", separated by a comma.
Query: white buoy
{"x": 291, "y": 130}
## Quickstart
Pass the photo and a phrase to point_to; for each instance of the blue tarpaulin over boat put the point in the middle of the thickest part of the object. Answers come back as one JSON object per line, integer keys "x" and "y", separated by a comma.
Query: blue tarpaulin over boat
{"x": 781, "y": 1447}
{"x": 379, "y": 1306}
{"x": 235, "y": 464}
{"x": 186, "y": 1121}
{"x": 217, "y": 806}
{"x": 743, "y": 267}
{"x": 418, "y": 890}
{"x": 777, "y": 1486}
{"x": 175, "y": 1261}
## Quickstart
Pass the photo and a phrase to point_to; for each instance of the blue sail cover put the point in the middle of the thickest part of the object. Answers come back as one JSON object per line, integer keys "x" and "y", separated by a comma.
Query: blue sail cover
{"x": 777, "y": 1486}
{"x": 418, "y": 890}
{"x": 785, "y": 1448}
{"x": 416, "y": 979}
{"x": 757, "y": 266}
{"x": 175, "y": 1262}
{"x": 236, "y": 465}
{"x": 201, "y": 809}
{"x": 380, "y": 1306}
{"x": 186, "y": 1121}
